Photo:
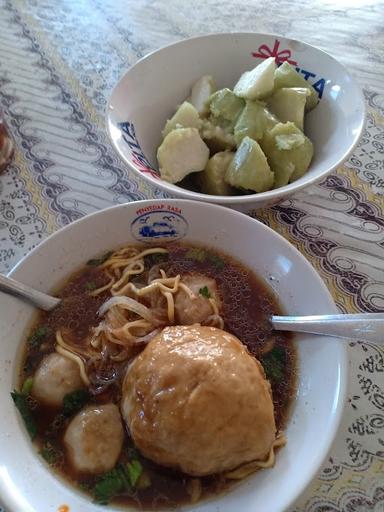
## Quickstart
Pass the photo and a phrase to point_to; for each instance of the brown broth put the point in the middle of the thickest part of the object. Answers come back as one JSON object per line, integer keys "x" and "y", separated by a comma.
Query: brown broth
{"x": 247, "y": 303}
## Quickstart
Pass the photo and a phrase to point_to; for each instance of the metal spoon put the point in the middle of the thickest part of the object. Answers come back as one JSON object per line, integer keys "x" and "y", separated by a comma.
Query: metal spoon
{"x": 364, "y": 326}
{"x": 39, "y": 299}
{"x": 367, "y": 326}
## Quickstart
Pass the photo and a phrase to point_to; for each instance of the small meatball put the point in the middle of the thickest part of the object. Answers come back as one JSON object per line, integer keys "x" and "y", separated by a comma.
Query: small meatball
{"x": 94, "y": 439}
{"x": 195, "y": 310}
{"x": 54, "y": 378}
{"x": 196, "y": 400}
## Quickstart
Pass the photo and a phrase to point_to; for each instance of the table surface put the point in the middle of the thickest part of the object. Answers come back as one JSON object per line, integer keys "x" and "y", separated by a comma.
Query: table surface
{"x": 59, "y": 61}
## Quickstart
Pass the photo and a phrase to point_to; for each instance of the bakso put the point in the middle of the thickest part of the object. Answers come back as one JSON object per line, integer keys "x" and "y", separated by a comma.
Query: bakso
{"x": 196, "y": 308}
{"x": 197, "y": 401}
{"x": 55, "y": 377}
{"x": 94, "y": 438}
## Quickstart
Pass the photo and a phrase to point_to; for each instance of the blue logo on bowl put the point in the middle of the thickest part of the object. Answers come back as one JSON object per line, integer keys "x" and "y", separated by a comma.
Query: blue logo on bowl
{"x": 159, "y": 222}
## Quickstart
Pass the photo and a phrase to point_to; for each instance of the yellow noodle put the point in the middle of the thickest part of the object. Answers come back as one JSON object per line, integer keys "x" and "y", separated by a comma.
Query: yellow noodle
{"x": 154, "y": 250}
{"x": 170, "y": 306}
{"x": 187, "y": 290}
{"x": 194, "y": 489}
{"x": 116, "y": 261}
{"x": 251, "y": 467}
{"x": 109, "y": 336}
{"x": 215, "y": 321}
{"x": 214, "y": 306}
{"x": 103, "y": 288}
{"x": 117, "y": 328}
{"x": 169, "y": 284}
{"x": 77, "y": 359}
{"x": 125, "y": 330}
{"x": 121, "y": 356}
{"x": 130, "y": 270}
{"x": 60, "y": 341}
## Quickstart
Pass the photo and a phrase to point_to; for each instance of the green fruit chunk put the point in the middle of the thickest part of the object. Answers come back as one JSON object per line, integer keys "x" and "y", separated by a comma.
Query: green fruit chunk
{"x": 186, "y": 116}
{"x": 287, "y": 76}
{"x": 181, "y": 153}
{"x": 254, "y": 120}
{"x": 201, "y": 93}
{"x": 288, "y": 104}
{"x": 289, "y": 152}
{"x": 257, "y": 83}
{"x": 217, "y": 137}
{"x": 212, "y": 179}
{"x": 225, "y": 104}
{"x": 249, "y": 168}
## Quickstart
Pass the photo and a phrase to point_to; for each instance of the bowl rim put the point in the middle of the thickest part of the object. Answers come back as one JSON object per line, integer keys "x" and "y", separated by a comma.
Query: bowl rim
{"x": 339, "y": 396}
{"x": 269, "y": 195}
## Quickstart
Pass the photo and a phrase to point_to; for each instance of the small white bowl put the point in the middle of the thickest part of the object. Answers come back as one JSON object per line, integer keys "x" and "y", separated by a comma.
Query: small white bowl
{"x": 148, "y": 94}
{"x": 27, "y": 484}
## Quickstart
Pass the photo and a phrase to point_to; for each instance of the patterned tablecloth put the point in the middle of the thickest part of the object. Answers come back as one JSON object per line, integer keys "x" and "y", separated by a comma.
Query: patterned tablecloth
{"x": 58, "y": 64}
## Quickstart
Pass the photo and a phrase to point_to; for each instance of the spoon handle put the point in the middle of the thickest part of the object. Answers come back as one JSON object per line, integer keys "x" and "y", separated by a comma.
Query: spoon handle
{"x": 365, "y": 326}
{"x": 39, "y": 299}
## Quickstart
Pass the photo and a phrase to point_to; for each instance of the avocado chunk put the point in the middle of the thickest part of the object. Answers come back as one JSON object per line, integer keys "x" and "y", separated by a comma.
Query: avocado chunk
{"x": 288, "y": 104}
{"x": 249, "y": 168}
{"x": 254, "y": 120}
{"x": 212, "y": 179}
{"x": 287, "y": 76}
{"x": 257, "y": 83}
{"x": 289, "y": 152}
{"x": 215, "y": 136}
{"x": 201, "y": 92}
{"x": 186, "y": 116}
{"x": 181, "y": 153}
{"x": 226, "y": 105}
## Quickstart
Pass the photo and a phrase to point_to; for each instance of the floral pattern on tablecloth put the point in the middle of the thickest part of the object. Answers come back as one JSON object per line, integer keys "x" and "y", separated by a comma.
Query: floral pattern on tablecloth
{"x": 60, "y": 75}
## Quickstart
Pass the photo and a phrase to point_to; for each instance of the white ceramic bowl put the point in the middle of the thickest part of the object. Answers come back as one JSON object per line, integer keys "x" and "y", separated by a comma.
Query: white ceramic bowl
{"x": 148, "y": 94}
{"x": 27, "y": 484}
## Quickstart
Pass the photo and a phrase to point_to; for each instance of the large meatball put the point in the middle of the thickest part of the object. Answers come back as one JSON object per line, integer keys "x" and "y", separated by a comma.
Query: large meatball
{"x": 54, "y": 378}
{"x": 196, "y": 400}
{"x": 94, "y": 438}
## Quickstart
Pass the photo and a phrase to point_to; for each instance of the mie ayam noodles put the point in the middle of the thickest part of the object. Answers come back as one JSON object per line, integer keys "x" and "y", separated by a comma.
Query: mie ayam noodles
{"x": 157, "y": 380}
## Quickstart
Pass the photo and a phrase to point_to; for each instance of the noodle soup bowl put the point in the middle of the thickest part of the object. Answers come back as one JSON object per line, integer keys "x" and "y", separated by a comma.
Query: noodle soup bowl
{"x": 150, "y": 91}
{"x": 28, "y": 484}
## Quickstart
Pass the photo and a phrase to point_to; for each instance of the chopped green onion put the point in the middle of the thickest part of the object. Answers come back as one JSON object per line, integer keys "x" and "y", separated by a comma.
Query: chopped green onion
{"x": 85, "y": 486}
{"x": 201, "y": 255}
{"x": 123, "y": 478}
{"x": 135, "y": 470}
{"x": 274, "y": 363}
{"x": 196, "y": 253}
{"x": 50, "y": 454}
{"x": 110, "y": 484}
{"x": 75, "y": 401}
{"x": 27, "y": 386}
{"x": 205, "y": 292}
{"x": 90, "y": 285}
{"x": 38, "y": 336}
{"x": 21, "y": 403}
{"x": 95, "y": 262}
{"x": 217, "y": 262}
